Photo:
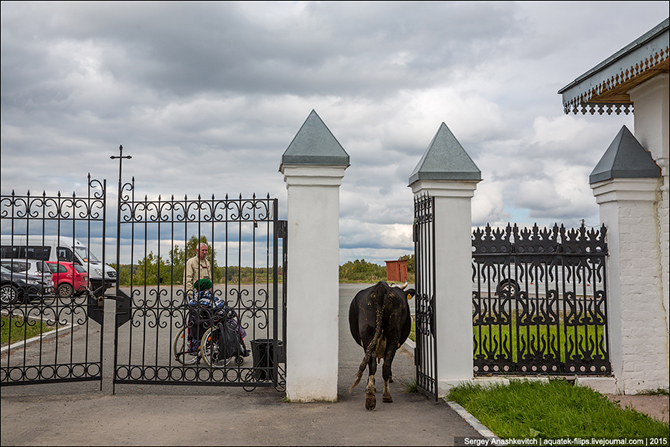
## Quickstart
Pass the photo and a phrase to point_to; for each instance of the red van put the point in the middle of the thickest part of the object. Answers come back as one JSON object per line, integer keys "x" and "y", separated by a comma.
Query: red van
{"x": 69, "y": 278}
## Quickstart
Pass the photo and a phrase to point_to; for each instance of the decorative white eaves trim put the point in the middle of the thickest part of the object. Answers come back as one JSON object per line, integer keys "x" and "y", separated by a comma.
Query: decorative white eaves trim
{"x": 631, "y": 65}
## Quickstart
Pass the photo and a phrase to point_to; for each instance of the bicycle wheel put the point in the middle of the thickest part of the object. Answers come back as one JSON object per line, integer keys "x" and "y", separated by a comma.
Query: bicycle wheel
{"x": 181, "y": 348}
{"x": 209, "y": 348}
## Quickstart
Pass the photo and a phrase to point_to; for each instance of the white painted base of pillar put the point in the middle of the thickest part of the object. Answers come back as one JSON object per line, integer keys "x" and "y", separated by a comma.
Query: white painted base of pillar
{"x": 604, "y": 385}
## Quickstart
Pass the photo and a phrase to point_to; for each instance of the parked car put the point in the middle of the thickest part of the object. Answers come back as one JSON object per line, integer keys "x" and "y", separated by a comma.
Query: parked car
{"x": 69, "y": 278}
{"x": 31, "y": 268}
{"x": 17, "y": 288}
{"x": 58, "y": 248}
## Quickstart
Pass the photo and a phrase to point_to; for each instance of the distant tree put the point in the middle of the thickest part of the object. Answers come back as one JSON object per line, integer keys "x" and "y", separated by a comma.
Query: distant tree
{"x": 360, "y": 270}
{"x": 122, "y": 274}
{"x": 177, "y": 260}
{"x": 149, "y": 270}
{"x": 153, "y": 269}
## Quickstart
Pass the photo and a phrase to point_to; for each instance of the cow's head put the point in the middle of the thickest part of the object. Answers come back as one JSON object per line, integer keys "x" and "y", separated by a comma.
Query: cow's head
{"x": 409, "y": 294}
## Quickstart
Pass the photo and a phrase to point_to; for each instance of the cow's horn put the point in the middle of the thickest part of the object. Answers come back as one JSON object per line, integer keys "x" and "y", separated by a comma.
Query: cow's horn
{"x": 404, "y": 286}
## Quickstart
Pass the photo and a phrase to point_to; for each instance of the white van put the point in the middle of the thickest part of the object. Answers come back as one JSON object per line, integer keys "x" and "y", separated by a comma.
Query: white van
{"x": 55, "y": 248}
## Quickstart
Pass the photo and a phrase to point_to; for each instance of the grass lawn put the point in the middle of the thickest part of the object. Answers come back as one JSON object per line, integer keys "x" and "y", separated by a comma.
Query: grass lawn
{"x": 554, "y": 409}
{"x": 20, "y": 330}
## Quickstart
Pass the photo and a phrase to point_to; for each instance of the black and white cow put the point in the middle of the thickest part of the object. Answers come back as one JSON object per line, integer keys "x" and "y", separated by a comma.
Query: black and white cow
{"x": 379, "y": 320}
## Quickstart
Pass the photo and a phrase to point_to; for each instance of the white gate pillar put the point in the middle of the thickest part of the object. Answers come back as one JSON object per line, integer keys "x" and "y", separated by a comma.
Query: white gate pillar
{"x": 625, "y": 183}
{"x": 313, "y": 167}
{"x": 447, "y": 173}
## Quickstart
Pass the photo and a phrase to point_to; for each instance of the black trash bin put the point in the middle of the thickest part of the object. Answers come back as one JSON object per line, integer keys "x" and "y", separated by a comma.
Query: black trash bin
{"x": 263, "y": 352}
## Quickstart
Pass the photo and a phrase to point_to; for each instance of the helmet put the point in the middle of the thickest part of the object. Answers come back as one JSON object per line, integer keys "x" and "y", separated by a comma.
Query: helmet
{"x": 202, "y": 284}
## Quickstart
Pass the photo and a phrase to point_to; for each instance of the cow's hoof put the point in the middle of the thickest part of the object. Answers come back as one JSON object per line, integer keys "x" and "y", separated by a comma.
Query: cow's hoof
{"x": 387, "y": 398}
{"x": 370, "y": 402}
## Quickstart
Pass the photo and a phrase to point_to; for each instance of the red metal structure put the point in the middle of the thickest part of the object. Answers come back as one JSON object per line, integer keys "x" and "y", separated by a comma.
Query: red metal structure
{"x": 396, "y": 271}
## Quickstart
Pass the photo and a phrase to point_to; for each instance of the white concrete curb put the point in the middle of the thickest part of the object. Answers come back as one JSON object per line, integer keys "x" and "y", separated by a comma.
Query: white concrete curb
{"x": 473, "y": 421}
{"x": 45, "y": 336}
{"x": 410, "y": 346}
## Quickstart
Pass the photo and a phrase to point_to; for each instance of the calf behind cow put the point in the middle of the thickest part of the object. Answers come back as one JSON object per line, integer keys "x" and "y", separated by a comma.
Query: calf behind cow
{"x": 379, "y": 320}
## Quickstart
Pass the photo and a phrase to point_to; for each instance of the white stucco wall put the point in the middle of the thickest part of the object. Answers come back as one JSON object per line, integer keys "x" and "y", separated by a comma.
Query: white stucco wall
{"x": 312, "y": 281}
{"x": 651, "y": 130}
{"x": 636, "y": 315}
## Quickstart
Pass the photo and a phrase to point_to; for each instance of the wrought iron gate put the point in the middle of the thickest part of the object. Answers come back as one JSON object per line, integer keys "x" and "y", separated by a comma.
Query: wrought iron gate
{"x": 248, "y": 256}
{"x": 540, "y": 301}
{"x": 425, "y": 354}
{"x": 246, "y": 242}
{"x": 41, "y": 234}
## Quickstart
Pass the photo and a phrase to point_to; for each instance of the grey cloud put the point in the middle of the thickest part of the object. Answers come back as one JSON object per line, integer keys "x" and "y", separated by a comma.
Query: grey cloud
{"x": 207, "y": 96}
{"x": 332, "y": 48}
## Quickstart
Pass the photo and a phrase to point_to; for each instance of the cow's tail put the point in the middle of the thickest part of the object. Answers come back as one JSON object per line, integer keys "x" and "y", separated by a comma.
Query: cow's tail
{"x": 371, "y": 347}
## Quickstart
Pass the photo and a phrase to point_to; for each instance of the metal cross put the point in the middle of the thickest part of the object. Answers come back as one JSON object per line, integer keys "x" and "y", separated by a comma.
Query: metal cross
{"x": 120, "y": 157}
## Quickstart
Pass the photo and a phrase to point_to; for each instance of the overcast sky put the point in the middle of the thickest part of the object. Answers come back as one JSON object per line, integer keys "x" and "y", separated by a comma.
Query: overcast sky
{"x": 206, "y": 98}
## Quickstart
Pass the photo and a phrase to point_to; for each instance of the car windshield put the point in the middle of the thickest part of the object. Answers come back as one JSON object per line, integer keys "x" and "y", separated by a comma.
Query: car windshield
{"x": 43, "y": 267}
{"x": 5, "y": 270}
{"x": 85, "y": 255}
{"x": 57, "y": 267}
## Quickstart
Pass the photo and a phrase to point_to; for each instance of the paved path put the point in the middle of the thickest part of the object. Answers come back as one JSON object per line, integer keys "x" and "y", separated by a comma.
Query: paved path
{"x": 78, "y": 414}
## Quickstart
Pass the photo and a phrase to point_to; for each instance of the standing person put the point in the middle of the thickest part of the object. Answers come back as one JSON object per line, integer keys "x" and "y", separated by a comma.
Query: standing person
{"x": 197, "y": 267}
{"x": 198, "y": 278}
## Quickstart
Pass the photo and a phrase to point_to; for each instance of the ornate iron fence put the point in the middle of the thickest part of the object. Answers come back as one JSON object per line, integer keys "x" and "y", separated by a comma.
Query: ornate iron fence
{"x": 540, "y": 301}
{"x": 425, "y": 354}
{"x": 40, "y": 234}
{"x": 244, "y": 237}
{"x": 154, "y": 306}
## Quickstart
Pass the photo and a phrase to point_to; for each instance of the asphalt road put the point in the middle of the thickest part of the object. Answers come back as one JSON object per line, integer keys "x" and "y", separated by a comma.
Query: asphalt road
{"x": 80, "y": 414}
